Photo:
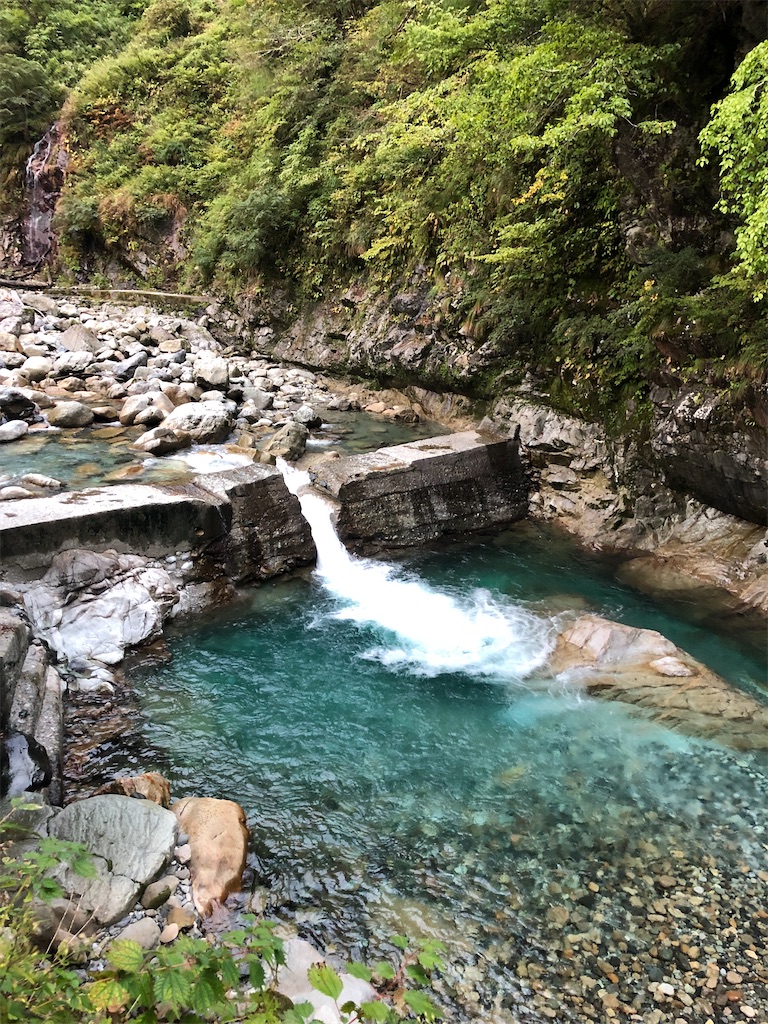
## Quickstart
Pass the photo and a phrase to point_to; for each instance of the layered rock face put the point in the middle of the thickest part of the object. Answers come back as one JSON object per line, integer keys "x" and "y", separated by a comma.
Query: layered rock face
{"x": 417, "y": 492}
{"x": 702, "y": 451}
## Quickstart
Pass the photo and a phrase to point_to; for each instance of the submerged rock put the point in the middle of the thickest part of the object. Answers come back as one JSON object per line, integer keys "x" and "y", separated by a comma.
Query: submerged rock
{"x": 641, "y": 667}
{"x": 149, "y": 786}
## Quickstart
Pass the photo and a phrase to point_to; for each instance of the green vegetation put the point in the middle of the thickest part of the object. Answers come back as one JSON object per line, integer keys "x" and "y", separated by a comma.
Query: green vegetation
{"x": 191, "y": 981}
{"x": 536, "y": 162}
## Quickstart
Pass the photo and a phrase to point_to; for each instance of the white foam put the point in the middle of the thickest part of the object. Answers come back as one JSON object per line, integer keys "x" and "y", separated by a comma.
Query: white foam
{"x": 421, "y": 628}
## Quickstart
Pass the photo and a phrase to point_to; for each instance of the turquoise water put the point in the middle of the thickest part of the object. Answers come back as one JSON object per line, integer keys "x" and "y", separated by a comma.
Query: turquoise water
{"x": 388, "y": 793}
{"x": 88, "y": 458}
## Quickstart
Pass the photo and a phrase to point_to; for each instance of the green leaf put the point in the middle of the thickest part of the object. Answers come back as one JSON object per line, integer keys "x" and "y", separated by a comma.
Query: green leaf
{"x": 417, "y": 973}
{"x": 208, "y": 993}
{"x": 375, "y": 1011}
{"x": 256, "y": 974}
{"x": 400, "y": 941}
{"x": 173, "y": 987}
{"x": 325, "y": 980}
{"x": 422, "y": 1005}
{"x": 109, "y": 995}
{"x": 304, "y": 1010}
{"x": 385, "y": 970}
{"x": 359, "y": 971}
{"x": 126, "y": 955}
{"x": 295, "y": 1014}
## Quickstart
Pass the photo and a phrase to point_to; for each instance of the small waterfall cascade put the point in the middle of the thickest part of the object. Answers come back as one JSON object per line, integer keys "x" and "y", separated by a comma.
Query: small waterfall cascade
{"x": 421, "y": 629}
{"x": 44, "y": 178}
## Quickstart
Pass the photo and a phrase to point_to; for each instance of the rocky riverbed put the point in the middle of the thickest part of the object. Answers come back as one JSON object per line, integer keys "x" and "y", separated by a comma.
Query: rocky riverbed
{"x": 653, "y": 933}
{"x": 66, "y": 366}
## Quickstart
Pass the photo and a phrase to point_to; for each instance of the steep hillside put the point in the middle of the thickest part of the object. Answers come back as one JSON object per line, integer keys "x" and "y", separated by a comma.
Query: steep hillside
{"x": 543, "y": 174}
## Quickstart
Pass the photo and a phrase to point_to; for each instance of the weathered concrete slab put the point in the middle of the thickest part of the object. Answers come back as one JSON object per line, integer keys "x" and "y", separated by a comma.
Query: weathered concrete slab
{"x": 127, "y": 517}
{"x": 266, "y": 533}
{"x": 248, "y": 522}
{"x": 416, "y": 492}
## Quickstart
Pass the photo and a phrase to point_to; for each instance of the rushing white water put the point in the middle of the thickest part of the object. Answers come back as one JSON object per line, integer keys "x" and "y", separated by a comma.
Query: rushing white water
{"x": 427, "y": 630}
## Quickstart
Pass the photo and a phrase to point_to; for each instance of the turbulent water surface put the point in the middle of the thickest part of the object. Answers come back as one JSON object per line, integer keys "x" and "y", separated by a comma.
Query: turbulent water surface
{"x": 401, "y": 772}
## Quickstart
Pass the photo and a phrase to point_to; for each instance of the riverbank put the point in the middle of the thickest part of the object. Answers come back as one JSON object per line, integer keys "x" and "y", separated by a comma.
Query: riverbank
{"x": 90, "y": 573}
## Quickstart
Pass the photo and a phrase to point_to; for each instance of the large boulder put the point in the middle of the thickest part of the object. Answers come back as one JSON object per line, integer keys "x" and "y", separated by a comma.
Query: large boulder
{"x": 78, "y": 339}
{"x": 130, "y": 841}
{"x": 13, "y": 313}
{"x": 288, "y": 443}
{"x": 211, "y": 370}
{"x": 125, "y": 370}
{"x": 149, "y": 409}
{"x": 69, "y": 414}
{"x": 72, "y": 364}
{"x": 643, "y": 668}
{"x": 218, "y": 838}
{"x": 87, "y": 626}
{"x": 15, "y": 405}
{"x": 162, "y": 441}
{"x": 13, "y": 430}
{"x": 205, "y": 422}
{"x": 37, "y": 368}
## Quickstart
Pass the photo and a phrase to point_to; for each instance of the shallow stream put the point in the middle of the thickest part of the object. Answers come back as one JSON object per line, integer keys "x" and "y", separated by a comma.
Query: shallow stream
{"x": 402, "y": 773}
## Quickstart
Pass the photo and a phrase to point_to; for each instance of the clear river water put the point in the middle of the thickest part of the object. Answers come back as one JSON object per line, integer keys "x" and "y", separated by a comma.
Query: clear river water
{"x": 405, "y": 769}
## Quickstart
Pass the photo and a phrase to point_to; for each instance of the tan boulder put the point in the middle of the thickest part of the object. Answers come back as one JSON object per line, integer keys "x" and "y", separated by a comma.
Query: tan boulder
{"x": 218, "y": 837}
{"x": 641, "y": 667}
{"x": 151, "y": 785}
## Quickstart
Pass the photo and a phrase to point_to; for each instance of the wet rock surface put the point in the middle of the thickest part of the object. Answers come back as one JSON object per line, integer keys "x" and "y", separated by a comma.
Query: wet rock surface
{"x": 643, "y": 668}
{"x": 603, "y": 491}
{"x": 130, "y": 842}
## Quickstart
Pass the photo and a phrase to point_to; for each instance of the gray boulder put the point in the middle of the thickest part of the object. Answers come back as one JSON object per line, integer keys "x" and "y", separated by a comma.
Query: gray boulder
{"x": 69, "y": 414}
{"x": 74, "y": 364}
{"x": 98, "y": 627}
{"x": 37, "y": 368}
{"x": 78, "y": 339}
{"x": 131, "y": 841}
{"x": 13, "y": 430}
{"x": 288, "y": 443}
{"x": 150, "y": 408}
{"x": 211, "y": 370}
{"x": 15, "y": 405}
{"x": 205, "y": 422}
{"x": 128, "y": 367}
{"x": 162, "y": 441}
{"x": 307, "y": 416}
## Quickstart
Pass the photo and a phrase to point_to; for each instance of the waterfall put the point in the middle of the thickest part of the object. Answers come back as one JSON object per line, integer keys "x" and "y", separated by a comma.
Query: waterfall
{"x": 420, "y": 628}
{"x": 44, "y": 177}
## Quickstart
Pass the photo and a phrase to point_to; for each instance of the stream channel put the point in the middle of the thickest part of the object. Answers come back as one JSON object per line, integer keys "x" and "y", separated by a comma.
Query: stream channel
{"x": 406, "y": 769}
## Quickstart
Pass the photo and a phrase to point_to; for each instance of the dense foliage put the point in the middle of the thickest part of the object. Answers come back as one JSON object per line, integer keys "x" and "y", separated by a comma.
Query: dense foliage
{"x": 194, "y": 980}
{"x": 537, "y": 162}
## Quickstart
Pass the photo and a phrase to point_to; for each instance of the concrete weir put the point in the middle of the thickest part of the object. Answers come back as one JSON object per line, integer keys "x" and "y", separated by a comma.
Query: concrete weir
{"x": 247, "y": 523}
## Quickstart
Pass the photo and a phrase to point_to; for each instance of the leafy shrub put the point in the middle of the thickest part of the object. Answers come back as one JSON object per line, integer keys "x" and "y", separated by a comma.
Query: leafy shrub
{"x": 193, "y": 980}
